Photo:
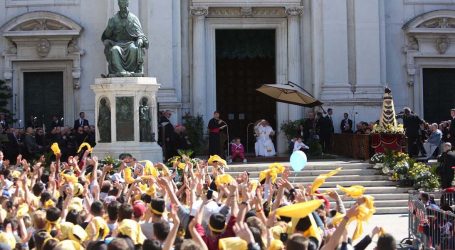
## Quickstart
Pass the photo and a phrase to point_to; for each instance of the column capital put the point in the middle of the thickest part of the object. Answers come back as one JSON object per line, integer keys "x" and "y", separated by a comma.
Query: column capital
{"x": 199, "y": 11}
{"x": 294, "y": 11}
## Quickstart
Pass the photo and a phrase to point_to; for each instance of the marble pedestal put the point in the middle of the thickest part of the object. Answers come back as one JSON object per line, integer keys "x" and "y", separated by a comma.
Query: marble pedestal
{"x": 129, "y": 100}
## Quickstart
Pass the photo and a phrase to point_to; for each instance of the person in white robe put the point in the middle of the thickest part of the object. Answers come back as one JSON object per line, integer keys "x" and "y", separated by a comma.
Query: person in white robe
{"x": 264, "y": 145}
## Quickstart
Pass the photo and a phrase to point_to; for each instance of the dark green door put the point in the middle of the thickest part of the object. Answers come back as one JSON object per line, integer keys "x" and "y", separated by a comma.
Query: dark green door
{"x": 438, "y": 94}
{"x": 43, "y": 96}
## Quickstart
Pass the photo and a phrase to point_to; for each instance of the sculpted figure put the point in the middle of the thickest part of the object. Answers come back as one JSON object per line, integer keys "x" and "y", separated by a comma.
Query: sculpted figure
{"x": 125, "y": 43}
{"x": 104, "y": 121}
{"x": 145, "y": 121}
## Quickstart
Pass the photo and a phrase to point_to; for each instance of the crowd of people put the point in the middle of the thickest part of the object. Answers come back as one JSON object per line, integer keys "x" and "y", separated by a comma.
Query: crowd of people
{"x": 35, "y": 140}
{"x": 83, "y": 203}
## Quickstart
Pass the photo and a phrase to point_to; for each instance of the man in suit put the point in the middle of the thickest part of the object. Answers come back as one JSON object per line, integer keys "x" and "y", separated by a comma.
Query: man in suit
{"x": 55, "y": 123}
{"x": 31, "y": 146}
{"x": 326, "y": 131}
{"x": 452, "y": 127}
{"x": 81, "y": 122}
{"x": 167, "y": 134}
{"x": 346, "y": 125}
{"x": 411, "y": 124}
{"x": 13, "y": 146}
{"x": 447, "y": 161}
{"x": 3, "y": 122}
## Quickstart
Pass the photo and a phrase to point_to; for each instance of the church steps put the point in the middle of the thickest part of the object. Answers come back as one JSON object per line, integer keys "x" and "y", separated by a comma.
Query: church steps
{"x": 314, "y": 173}
{"x": 389, "y": 198}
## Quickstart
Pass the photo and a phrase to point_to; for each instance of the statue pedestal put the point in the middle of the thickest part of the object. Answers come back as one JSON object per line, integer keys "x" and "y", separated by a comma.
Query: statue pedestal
{"x": 126, "y": 117}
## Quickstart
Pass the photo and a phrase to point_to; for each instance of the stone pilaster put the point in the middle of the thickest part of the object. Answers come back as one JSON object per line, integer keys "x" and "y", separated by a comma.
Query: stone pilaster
{"x": 198, "y": 79}
{"x": 294, "y": 60}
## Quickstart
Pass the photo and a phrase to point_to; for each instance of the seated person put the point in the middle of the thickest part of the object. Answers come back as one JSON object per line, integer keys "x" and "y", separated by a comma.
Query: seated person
{"x": 299, "y": 145}
{"x": 237, "y": 151}
{"x": 432, "y": 144}
{"x": 264, "y": 145}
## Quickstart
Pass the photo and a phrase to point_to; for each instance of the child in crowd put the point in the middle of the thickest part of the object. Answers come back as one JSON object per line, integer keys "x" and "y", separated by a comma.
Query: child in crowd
{"x": 299, "y": 145}
{"x": 237, "y": 151}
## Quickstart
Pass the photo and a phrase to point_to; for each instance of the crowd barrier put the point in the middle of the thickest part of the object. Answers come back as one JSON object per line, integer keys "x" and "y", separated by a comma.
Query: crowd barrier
{"x": 431, "y": 227}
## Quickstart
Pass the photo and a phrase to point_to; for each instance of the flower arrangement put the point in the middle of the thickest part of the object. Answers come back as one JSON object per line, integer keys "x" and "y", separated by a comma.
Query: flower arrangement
{"x": 388, "y": 129}
{"x": 404, "y": 169}
{"x": 423, "y": 176}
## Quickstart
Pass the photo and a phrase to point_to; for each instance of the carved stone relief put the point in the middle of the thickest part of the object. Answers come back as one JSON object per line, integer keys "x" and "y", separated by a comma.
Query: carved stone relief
{"x": 442, "y": 44}
{"x": 413, "y": 44}
{"x": 43, "y": 47}
{"x": 247, "y": 12}
{"x": 440, "y": 23}
{"x": 40, "y": 24}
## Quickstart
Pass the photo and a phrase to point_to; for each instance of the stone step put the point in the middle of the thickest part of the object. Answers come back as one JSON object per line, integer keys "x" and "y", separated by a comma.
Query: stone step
{"x": 339, "y": 178}
{"x": 378, "y": 190}
{"x": 377, "y": 203}
{"x": 357, "y": 171}
{"x": 379, "y": 183}
{"x": 392, "y": 210}
{"x": 391, "y": 196}
{"x": 311, "y": 166}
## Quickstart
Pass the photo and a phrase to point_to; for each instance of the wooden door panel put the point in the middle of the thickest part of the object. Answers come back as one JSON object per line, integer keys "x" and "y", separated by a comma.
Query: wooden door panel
{"x": 43, "y": 95}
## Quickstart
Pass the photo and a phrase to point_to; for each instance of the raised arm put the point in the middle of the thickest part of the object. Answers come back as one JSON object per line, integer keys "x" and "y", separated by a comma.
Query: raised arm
{"x": 173, "y": 233}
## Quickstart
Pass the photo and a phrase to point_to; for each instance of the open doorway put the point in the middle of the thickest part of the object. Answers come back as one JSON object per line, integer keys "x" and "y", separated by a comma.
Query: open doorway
{"x": 245, "y": 59}
{"x": 438, "y": 93}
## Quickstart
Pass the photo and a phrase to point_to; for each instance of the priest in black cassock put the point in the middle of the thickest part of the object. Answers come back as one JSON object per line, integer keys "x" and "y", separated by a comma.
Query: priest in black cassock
{"x": 215, "y": 127}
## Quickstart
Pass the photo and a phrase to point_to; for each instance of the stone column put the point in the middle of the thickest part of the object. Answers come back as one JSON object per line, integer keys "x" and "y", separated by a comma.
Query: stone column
{"x": 294, "y": 65}
{"x": 199, "y": 93}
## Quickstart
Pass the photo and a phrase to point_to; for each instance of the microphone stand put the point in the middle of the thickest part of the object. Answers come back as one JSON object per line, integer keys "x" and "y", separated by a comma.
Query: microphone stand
{"x": 247, "y": 136}
{"x": 227, "y": 134}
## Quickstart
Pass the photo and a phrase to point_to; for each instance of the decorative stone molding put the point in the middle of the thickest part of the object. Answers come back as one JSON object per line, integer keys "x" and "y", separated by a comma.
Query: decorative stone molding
{"x": 38, "y": 35}
{"x": 256, "y": 12}
{"x": 28, "y": 3}
{"x": 246, "y": 12}
{"x": 199, "y": 11}
{"x": 294, "y": 11}
{"x": 244, "y": 3}
{"x": 428, "y": 44}
{"x": 442, "y": 44}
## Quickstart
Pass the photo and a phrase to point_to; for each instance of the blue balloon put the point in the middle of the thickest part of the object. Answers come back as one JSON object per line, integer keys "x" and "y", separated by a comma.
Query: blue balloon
{"x": 298, "y": 160}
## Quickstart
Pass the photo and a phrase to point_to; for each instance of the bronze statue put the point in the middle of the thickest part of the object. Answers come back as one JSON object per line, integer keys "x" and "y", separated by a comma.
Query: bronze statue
{"x": 125, "y": 43}
{"x": 104, "y": 121}
{"x": 145, "y": 120}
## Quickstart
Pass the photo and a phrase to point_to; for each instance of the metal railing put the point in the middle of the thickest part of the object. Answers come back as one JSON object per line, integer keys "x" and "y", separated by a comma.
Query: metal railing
{"x": 431, "y": 226}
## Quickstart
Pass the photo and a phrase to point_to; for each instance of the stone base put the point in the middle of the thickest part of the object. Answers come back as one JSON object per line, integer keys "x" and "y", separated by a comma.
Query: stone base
{"x": 122, "y": 129}
{"x": 141, "y": 151}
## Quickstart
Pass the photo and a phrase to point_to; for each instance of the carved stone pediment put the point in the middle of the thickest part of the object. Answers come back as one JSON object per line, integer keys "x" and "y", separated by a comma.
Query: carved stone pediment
{"x": 441, "y": 23}
{"x": 34, "y": 23}
{"x": 41, "y": 24}
{"x": 41, "y": 35}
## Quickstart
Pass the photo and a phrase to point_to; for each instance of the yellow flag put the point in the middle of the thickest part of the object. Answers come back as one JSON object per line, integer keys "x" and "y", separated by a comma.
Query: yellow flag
{"x": 85, "y": 144}
{"x": 355, "y": 191}
{"x": 232, "y": 243}
{"x": 55, "y": 148}
{"x": 216, "y": 158}
{"x": 320, "y": 180}
{"x": 299, "y": 210}
{"x": 224, "y": 179}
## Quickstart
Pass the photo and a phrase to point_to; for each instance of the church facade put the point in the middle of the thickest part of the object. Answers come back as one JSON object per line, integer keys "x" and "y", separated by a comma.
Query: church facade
{"x": 212, "y": 54}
